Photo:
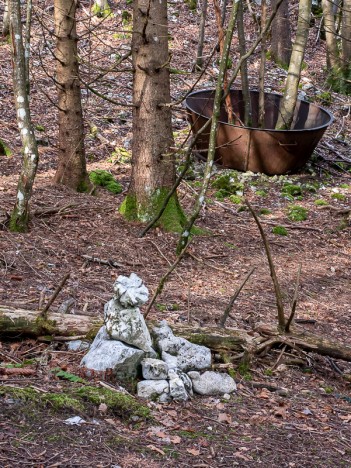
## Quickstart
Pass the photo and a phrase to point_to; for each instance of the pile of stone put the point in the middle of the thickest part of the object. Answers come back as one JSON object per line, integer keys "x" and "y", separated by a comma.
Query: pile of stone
{"x": 124, "y": 345}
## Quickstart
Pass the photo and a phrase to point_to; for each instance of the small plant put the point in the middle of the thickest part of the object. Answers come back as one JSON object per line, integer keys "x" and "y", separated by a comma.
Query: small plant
{"x": 279, "y": 231}
{"x": 61, "y": 374}
{"x": 105, "y": 179}
{"x": 40, "y": 128}
{"x": 325, "y": 97}
{"x": 297, "y": 213}
{"x": 320, "y": 202}
{"x": 339, "y": 196}
{"x": 265, "y": 211}
{"x": 261, "y": 193}
{"x": 328, "y": 390}
{"x": 345, "y": 186}
{"x": 231, "y": 246}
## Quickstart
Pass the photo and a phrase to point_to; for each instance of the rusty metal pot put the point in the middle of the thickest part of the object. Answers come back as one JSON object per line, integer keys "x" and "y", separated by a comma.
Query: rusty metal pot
{"x": 258, "y": 149}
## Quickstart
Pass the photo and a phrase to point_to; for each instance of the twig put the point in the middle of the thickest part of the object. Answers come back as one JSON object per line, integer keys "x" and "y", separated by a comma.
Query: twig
{"x": 278, "y": 294}
{"x": 164, "y": 279}
{"x": 294, "y": 301}
{"x": 210, "y": 265}
{"x": 102, "y": 261}
{"x": 281, "y": 354}
{"x": 233, "y": 298}
{"x": 44, "y": 312}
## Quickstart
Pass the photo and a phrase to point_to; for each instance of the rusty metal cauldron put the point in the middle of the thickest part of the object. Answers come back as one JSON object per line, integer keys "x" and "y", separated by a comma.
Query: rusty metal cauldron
{"x": 258, "y": 149}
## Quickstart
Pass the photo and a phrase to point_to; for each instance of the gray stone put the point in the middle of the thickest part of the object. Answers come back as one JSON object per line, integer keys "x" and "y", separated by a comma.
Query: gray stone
{"x": 154, "y": 369}
{"x": 127, "y": 325}
{"x": 212, "y": 383}
{"x": 178, "y": 352}
{"x": 77, "y": 345}
{"x": 151, "y": 389}
{"x": 130, "y": 292}
{"x": 107, "y": 354}
{"x": 176, "y": 387}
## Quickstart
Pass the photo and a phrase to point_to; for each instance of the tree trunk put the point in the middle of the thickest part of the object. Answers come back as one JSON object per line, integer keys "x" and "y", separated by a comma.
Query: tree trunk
{"x": 243, "y": 69}
{"x": 288, "y": 103}
{"x": 22, "y": 322}
{"x": 261, "y": 97}
{"x": 6, "y": 20}
{"x": 71, "y": 170}
{"x": 20, "y": 214}
{"x": 281, "y": 35}
{"x": 153, "y": 166}
{"x": 199, "y": 57}
{"x": 333, "y": 57}
{"x": 346, "y": 45}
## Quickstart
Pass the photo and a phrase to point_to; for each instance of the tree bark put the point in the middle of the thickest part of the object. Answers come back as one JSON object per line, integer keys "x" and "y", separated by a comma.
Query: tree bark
{"x": 288, "y": 102}
{"x": 200, "y": 48}
{"x": 243, "y": 69}
{"x": 333, "y": 57}
{"x": 281, "y": 35}
{"x": 153, "y": 164}
{"x": 6, "y": 20}
{"x": 22, "y": 322}
{"x": 71, "y": 170}
{"x": 20, "y": 214}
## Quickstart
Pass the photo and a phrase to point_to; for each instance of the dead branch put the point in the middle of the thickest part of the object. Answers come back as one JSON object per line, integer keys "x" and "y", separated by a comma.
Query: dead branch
{"x": 43, "y": 313}
{"x": 101, "y": 261}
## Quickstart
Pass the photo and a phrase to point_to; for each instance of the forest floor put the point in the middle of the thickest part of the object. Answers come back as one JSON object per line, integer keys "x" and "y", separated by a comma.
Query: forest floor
{"x": 295, "y": 414}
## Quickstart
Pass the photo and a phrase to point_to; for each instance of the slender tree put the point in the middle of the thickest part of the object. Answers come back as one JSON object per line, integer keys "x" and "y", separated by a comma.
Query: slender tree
{"x": 288, "y": 103}
{"x": 153, "y": 168}
{"x": 281, "y": 35}
{"x": 6, "y": 20}
{"x": 20, "y": 214}
{"x": 71, "y": 170}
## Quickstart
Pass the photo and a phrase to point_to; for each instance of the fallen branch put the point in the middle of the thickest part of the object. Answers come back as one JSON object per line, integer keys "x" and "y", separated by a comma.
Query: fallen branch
{"x": 44, "y": 312}
{"x": 101, "y": 261}
{"x": 20, "y": 322}
{"x": 233, "y": 299}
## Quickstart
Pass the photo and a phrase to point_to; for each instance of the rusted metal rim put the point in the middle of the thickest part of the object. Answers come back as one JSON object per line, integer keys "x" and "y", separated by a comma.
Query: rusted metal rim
{"x": 329, "y": 118}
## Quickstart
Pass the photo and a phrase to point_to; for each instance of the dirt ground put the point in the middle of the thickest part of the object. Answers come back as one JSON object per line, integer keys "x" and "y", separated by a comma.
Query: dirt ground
{"x": 291, "y": 413}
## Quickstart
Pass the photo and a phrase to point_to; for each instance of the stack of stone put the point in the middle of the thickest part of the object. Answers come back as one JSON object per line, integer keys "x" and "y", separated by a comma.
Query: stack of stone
{"x": 124, "y": 345}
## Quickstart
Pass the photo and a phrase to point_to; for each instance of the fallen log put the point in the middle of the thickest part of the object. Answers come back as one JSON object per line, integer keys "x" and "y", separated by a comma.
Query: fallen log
{"x": 21, "y": 323}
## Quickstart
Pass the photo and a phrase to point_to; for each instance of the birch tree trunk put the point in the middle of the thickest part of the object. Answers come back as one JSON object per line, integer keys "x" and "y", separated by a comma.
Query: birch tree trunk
{"x": 288, "y": 103}
{"x": 153, "y": 166}
{"x": 20, "y": 214}
{"x": 281, "y": 35}
{"x": 101, "y": 8}
{"x": 71, "y": 170}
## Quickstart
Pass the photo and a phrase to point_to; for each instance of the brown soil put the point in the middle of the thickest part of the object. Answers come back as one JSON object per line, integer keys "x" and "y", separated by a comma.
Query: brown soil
{"x": 296, "y": 415}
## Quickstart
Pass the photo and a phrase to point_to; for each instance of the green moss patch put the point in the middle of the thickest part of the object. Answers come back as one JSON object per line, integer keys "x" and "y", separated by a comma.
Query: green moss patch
{"x": 291, "y": 190}
{"x": 228, "y": 184}
{"x": 321, "y": 202}
{"x": 78, "y": 399}
{"x": 173, "y": 219}
{"x": 339, "y": 196}
{"x": 105, "y": 179}
{"x": 279, "y": 231}
{"x": 4, "y": 149}
{"x": 297, "y": 213}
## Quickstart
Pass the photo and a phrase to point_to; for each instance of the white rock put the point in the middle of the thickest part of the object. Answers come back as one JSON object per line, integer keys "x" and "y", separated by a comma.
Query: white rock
{"x": 212, "y": 383}
{"x": 107, "y": 354}
{"x": 77, "y": 345}
{"x": 176, "y": 387}
{"x": 154, "y": 369}
{"x": 180, "y": 353}
{"x": 130, "y": 291}
{"x": 152, "y": 388}
{"x": 127, "y": 325}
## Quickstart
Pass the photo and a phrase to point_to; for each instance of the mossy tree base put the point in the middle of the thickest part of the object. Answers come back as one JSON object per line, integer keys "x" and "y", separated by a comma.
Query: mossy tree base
{"x": 172, "y": 219}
